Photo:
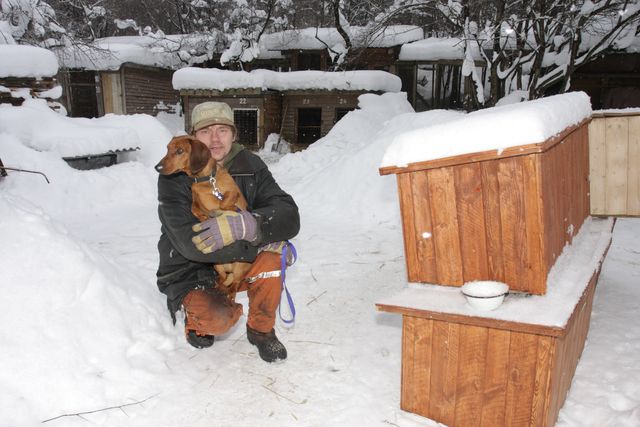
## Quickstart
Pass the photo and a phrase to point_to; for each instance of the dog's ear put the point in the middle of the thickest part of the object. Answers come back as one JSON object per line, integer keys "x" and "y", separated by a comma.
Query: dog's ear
{"x": 200, "y": 156}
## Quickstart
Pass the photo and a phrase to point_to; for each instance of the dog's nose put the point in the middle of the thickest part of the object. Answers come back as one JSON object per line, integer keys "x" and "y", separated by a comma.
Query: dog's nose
{"x": 158, "y": 167}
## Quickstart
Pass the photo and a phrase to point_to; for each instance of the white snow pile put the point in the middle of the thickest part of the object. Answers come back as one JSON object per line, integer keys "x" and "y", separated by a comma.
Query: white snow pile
{"x": 27, "y": 61}
{"x": 494, "y": 128}
{"x": 42, "y": 129}
{"x": 215, "y": 79}
{"x": 349, "y": 156}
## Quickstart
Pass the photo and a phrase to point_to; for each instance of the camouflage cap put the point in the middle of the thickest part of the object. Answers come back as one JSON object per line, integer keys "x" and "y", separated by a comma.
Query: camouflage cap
{"x": 211, "y": 113}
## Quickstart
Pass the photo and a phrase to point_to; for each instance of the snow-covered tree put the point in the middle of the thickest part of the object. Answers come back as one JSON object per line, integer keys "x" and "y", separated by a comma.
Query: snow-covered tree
{"x": 530, "y": 46}
{"x": 84, "y": 20}
{"x": 32, "y": 22}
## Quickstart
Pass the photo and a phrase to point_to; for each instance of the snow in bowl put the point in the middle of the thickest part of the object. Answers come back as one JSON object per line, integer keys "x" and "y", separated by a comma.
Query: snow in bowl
{"x": 485, "y": 295}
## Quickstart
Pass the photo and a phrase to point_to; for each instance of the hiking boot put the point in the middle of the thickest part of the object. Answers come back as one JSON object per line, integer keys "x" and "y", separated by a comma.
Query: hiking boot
{"x": 269, "y": 347}
{"x": 199, "y": 341}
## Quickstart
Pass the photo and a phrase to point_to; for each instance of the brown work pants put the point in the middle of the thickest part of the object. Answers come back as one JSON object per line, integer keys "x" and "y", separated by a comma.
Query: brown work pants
{"x": 210, "y": 312}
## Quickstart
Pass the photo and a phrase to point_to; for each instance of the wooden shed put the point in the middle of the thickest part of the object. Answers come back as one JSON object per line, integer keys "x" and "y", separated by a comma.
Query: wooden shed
{"x": 431, "y": 73}
{"x": 302, "y": 106}
{"x": 309, "y": 48}
{"x": 130, "y": 74}
{"x": 131, "y": 89}
{"x": 518, "y": 215}
{"x": 611, "y": 81}
{"x": 257, "y": 112}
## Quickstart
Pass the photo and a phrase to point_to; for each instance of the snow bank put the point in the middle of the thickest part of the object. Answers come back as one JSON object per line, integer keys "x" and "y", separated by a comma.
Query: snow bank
{"x": 214, "y": 79}
{"x": 27, "y": 61}
{"x": 491, "y": 129}
{"x": 42, "y": 129}
{"x": 338, "y": 174}
{"x": 75, "y": 321}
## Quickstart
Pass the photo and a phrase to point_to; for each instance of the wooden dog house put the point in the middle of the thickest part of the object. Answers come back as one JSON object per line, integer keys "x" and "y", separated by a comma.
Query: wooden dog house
{"x": 517, "y": 215}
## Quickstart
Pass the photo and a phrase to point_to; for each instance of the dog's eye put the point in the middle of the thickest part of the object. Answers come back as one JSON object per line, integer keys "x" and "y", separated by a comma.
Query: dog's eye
{"x": 180, "y": 151}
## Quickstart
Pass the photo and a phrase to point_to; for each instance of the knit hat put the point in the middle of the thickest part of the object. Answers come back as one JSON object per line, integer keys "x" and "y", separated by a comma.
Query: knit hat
{"x": 211, "y": 113}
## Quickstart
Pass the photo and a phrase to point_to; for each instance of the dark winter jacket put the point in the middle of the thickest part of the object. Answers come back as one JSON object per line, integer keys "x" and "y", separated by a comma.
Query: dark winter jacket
{"x": 182, "y": 267}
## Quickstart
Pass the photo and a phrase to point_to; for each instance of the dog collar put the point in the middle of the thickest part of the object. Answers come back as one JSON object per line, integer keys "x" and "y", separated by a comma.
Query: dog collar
{"x": 212, "y": 180}
{"x": 205, "y": 178}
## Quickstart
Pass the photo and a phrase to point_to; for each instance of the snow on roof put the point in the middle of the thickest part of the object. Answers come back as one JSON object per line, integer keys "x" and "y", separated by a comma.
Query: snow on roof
{"x": 319, "y": 38}
{"x": 494, "y": 128}
{"x": 164, "y": 51}
{"x": 214, "y": 79}
{"x": 435, "y": 48}
{"x": 27, "y": 61}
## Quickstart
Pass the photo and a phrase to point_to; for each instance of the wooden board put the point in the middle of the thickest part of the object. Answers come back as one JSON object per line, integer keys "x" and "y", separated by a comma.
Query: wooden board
{"x": 633, "y": 175}
{"x": 617, "y": 134}
{"x": 614, "y": 155}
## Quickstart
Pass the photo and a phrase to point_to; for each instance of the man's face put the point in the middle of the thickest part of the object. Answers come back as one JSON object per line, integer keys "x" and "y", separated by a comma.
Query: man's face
{"x": 218, "y": 138}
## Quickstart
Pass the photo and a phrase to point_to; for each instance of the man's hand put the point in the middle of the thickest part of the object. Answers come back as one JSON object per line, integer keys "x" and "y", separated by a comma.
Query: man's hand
{"x": 224, "y": 228}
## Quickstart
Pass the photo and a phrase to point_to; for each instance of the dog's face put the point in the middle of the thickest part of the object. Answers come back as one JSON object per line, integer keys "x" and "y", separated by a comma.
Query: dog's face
{"x": 184, "y": 154}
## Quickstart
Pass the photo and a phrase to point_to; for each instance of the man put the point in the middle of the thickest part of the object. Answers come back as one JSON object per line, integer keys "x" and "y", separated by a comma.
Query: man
{"x": 188, "y": 248}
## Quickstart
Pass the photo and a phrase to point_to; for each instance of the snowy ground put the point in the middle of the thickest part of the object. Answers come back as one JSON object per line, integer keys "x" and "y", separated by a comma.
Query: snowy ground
{"x": 84, "y": 330}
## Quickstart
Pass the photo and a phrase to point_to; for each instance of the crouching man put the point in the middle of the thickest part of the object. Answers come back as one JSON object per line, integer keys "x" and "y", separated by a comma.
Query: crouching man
{"x": 189, "y": 248}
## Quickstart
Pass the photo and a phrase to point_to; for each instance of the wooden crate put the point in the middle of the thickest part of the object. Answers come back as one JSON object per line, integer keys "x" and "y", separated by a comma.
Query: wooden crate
{"x": 614, "y": 159}
{"x": 493, "y": 216}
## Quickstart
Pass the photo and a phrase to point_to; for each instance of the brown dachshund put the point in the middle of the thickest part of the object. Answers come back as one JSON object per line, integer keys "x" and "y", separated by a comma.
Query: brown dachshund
{"x": 187, "y": 154}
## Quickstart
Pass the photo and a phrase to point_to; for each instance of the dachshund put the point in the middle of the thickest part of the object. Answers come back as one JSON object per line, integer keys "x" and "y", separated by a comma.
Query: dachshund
{"x": 219, "y": 192}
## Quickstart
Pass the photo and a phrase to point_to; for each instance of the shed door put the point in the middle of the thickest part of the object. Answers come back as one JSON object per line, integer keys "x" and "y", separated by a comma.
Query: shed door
{"x": 84, "y": 100}
{"x": 246, "y": 121}
{"x": 309, "y": 125}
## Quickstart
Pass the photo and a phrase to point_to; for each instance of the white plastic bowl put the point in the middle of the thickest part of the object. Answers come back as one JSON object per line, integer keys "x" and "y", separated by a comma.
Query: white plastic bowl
{"x": 485, "y": 295}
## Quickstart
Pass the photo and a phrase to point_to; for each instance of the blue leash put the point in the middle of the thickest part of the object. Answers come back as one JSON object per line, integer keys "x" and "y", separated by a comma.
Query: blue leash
{"x": 288, "y": 247}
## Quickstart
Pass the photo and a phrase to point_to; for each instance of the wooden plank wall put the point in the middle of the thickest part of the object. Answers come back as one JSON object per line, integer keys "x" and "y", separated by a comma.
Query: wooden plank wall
{"x": 614, "y": 155}
{"x": 464, "y": 375}
{"x": 505, "y": 219}
{"x": 565, "y": 189}
{"x": 145, "y": 88}
{"x": 467, "y": 375}
{"x": 328, "y": 101}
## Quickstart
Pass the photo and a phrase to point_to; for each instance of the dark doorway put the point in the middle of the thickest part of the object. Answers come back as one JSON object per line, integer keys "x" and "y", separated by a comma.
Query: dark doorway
{"x": 84, "y": 101}
{"x": 309, "y": 125}
{"x": 309, "y": 61}
{"x": 247, "y": 123}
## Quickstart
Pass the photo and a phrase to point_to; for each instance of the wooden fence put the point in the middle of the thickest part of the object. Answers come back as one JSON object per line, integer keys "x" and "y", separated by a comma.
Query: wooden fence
{"x": 614, "y": 158}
